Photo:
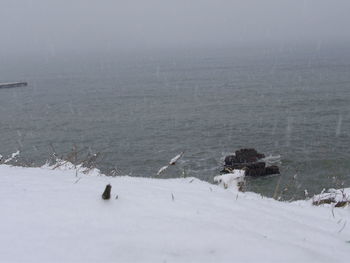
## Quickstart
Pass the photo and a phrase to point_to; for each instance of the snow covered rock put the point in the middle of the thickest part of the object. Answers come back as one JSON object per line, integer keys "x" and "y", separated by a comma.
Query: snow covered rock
{"x": 232, "y": 179}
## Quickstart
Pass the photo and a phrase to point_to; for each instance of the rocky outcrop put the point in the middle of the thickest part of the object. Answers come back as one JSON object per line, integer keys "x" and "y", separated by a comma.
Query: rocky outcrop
{"x": 250, "y": 161}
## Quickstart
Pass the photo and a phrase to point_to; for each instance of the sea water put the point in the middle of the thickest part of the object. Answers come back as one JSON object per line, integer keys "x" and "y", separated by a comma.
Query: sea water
{"x": 140, "y": 109}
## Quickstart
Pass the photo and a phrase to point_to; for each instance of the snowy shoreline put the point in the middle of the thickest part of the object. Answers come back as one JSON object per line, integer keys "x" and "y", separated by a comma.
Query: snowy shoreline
{"x": 58, "y": 216}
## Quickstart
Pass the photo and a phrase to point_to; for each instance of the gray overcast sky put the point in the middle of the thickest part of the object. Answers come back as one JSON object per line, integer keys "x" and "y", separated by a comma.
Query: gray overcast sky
{"x": 59, "y": 25}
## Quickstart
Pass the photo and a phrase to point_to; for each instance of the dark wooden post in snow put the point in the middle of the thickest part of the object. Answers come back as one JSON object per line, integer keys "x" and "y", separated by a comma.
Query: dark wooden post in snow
{"x": 107, "y": 192}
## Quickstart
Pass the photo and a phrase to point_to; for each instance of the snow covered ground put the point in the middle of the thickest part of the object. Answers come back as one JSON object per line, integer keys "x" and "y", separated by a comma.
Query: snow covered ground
{"x": 58, "y": 216}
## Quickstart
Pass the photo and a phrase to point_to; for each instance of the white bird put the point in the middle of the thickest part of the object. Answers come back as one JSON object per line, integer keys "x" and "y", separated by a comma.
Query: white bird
{"x": 172, "y": 162}
{"x": 162, "y": 169}
{"x": 176, "y": 158}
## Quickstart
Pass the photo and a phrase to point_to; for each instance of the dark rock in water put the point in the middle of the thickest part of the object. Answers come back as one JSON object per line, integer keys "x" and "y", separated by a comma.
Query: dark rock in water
{"x": 273, "y": 169}
{"x": 253, "y": 169}
{"x": 250, "y": 161}
{"x": 244, "y": 156}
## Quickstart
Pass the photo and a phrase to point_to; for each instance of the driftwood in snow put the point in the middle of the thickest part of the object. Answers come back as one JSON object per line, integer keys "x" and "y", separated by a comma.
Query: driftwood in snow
{"x": 339, "y": 198}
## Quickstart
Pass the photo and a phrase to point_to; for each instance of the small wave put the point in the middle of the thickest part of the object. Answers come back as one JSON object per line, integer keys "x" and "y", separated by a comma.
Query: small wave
{"x": 272, "y": 160}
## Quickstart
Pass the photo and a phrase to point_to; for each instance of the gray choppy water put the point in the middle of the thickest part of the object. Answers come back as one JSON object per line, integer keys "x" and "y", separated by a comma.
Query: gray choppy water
{"x": 141, "y": 110}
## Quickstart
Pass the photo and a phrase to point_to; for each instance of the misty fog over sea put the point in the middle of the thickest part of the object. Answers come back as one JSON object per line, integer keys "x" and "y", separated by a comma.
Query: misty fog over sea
{"x": 139, "y": 109}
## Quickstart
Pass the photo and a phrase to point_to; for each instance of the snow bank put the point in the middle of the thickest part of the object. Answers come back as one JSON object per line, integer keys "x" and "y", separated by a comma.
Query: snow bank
{"x": 58, "y": 215}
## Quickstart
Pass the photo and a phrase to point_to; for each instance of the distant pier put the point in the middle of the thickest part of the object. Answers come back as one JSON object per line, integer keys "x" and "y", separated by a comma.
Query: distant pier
{"x": 13, "y": 84}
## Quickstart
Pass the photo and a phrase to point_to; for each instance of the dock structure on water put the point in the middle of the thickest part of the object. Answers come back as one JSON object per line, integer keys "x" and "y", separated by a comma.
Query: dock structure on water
{"x": 13, "y": 84}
